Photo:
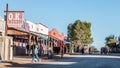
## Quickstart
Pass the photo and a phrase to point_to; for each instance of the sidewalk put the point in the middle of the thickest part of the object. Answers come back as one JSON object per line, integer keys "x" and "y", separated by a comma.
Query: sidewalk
{"x": 16, "y": 61}
{"x": 26, "y": 60}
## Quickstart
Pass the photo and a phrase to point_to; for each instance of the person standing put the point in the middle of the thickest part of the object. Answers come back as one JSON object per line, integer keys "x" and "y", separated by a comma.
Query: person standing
{"x": 35, "y": 54}
{"x": 61, "y": 51}
{"x": 41, "y": 50}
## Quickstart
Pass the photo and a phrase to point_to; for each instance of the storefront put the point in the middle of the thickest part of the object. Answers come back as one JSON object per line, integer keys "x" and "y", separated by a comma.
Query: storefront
{"x": 5, "y": 43}
{"x": 56, "y": 41}
{"x": 18, "y": 29}
{"x": 43, "y": 43}
{"x": 43, "y": 37}
{"x": 67, "y": 45}
{"x": 53, "y": 45}
{"x": 40, "y": 37}
{"x": 20, "y": 40}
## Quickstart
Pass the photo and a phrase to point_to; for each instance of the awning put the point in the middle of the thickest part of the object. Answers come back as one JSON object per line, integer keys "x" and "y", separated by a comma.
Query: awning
{"x": 43, "y": 36}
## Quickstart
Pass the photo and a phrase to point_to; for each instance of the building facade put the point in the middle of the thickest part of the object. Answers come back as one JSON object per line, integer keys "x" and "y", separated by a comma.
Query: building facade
{"x": 42, "y": 28}
{"x": 2, "y": 27}
{"x": 6, "y": 49}
{"x": 18, "y": 29}
{"x": 43, "y": 37}
{"x": 56, "y": 41}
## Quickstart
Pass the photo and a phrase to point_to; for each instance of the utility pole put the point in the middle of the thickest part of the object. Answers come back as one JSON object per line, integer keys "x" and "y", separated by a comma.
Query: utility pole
{"x": 6, "y": 26}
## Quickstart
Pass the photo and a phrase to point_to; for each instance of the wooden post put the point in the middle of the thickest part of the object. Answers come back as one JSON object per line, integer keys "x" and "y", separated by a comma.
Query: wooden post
{"x": 6, "y": 26}
{"x": 29, "y": 44}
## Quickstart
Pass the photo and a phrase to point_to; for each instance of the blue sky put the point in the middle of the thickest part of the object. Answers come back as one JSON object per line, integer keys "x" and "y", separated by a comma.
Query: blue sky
{"x": 104, "y": 15}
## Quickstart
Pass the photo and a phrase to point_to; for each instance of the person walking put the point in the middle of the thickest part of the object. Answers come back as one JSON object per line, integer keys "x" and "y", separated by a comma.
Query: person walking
{"x": 35, "y": 54}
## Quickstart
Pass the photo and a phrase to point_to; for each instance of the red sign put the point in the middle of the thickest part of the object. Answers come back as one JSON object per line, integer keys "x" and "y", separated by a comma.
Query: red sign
{"x": 15, "y": 19}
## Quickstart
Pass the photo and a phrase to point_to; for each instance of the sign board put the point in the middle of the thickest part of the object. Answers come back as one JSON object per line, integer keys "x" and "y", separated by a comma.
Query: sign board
{"x": 15, "y": 19}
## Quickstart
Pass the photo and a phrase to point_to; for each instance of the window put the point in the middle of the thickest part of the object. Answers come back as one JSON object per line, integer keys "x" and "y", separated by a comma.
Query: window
{"x": 41, "y": 29}
{"x": 37, "y": 29}
{"x": 32, "y": 26}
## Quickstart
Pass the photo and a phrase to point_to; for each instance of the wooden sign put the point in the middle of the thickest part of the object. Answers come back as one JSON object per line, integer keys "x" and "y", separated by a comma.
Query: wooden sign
{"x": 15, "y": 19}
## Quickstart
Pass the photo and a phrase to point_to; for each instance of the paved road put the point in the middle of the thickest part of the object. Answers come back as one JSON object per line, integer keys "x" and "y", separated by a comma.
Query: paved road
{"x": 76, "y": 61}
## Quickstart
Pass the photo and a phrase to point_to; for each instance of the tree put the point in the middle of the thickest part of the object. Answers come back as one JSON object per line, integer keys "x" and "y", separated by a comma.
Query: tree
{"x": 80, "y": 33}
{"x": 110, "y": 41}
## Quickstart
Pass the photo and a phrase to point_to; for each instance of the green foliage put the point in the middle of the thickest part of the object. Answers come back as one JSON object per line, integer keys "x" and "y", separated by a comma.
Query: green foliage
{"x": 80, "y": 33}
{"x": 110, "y": 41}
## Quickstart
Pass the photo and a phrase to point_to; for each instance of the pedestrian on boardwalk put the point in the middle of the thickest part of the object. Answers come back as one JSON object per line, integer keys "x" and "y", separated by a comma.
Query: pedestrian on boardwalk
{"x": 41, "y": 50}
{"x": 61, "y": 51}
{"x": 35, "y": 54}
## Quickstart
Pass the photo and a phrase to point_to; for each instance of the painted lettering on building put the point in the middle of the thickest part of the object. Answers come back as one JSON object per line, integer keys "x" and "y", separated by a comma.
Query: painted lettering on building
{"x": 15, "y": 19}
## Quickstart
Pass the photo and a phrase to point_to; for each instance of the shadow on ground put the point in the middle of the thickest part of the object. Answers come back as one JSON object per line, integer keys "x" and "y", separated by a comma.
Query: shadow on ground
{"x": 79, "y": 62}
{"x": 15, "y": 64}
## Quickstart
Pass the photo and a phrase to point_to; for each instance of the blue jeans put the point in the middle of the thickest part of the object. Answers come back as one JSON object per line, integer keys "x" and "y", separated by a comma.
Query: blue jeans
{"x": 35, "y": 56}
